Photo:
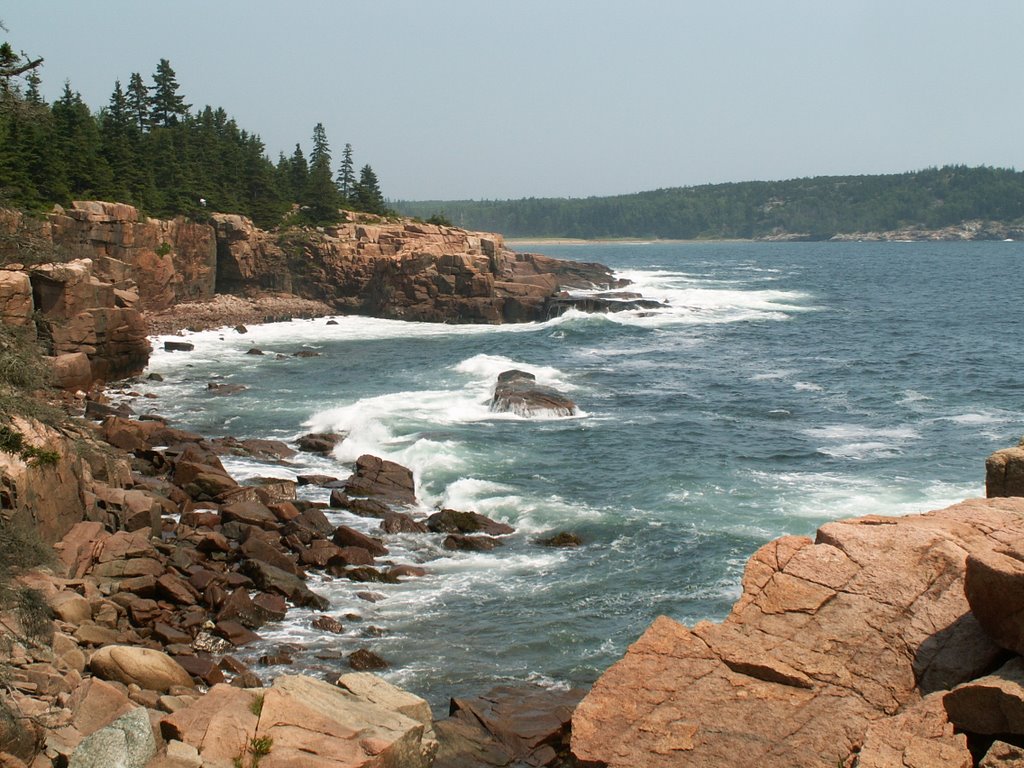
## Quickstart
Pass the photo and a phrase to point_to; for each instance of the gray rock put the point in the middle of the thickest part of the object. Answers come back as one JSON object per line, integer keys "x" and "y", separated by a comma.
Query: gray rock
{"x": 128, "y": 742}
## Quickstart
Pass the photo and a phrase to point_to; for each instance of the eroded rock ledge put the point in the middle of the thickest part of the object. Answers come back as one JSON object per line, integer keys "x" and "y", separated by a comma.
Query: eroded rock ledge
{"x": 837, "y": 653}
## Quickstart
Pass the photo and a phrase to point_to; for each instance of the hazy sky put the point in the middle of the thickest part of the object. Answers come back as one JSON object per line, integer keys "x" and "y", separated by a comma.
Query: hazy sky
{"x": 482, "y": 99}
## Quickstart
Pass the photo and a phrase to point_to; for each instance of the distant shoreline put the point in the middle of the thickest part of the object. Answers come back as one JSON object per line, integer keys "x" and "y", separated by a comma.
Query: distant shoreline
{"x": 513, "y": 241}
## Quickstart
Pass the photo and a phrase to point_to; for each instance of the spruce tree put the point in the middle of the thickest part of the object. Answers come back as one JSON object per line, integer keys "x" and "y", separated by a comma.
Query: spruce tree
{"x": 298, "y": 175}
{"x": 138, "y": 102}
{"x": 116, "y": 145}
{"x": 347, "y": 177}
{"x": 166, "y": 106}
{"x": 78, "y": 141}
{"x": 367, "y": 193}
{"x": 321, "y": 198}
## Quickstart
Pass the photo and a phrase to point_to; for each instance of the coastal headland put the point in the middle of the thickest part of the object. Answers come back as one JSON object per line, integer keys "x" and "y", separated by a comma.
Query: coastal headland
{"x": 881, "y": 642}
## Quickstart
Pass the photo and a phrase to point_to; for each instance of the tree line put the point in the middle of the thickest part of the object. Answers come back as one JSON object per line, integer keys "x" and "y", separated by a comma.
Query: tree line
{"x": 815, "y": 208}
{"x": 147, "y": 147}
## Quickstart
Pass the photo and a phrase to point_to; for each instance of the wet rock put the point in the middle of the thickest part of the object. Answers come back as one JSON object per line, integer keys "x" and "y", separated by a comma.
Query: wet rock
{"x": 217, "y": 388}
{"x": 400, "y": 522}
{"x": 366, "y": 573}
{"x": 563, "y": 539}
{"x": 362, "y": 507}
{"x": 400, "y": 571}
{"x": 317, "y": 480}
{"x": 471, "y": 543}
{"x": 254, "y": 351}
{"x": 383, "y": 479}
{"x": 271, "y": 579}
{"x": 250, "y": 513}
{"x": 178, "y": 346}
{"x": 344, "y": 536}
{"x": 453, "y": 521}
{"x": 328, "y": 624}
{"x": 363, "y": 660}
{"x": 518, "y": 392}
{"x": 319, "y": 442}
{"x": 202, "y": 667}
{"x": 508, "y": 725}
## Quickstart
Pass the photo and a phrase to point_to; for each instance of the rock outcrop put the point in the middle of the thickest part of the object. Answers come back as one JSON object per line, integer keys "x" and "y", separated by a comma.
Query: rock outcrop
{"x": 405, "y": 270}
{"x": 518, "y": 392}
{"x": 829, "y": 640}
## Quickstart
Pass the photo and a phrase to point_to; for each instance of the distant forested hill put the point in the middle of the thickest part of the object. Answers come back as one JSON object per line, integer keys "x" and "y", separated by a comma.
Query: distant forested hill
{"x": 816, "y": 208}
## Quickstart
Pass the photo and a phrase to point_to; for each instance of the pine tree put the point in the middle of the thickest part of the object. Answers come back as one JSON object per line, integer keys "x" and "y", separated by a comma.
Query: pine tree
{"x": 138, "y": 102}
{"x": 321, "y": 195}
{"x": 347, "y": 177}
{"x": 166, "y": 106}
{"x": 368, "y": 196}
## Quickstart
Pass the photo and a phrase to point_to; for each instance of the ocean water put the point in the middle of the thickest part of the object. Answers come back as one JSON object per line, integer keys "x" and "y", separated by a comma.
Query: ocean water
{"x": 783, "y": 386}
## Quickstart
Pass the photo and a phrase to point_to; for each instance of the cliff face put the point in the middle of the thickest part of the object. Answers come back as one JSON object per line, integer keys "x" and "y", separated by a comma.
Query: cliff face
{"x": 116, "y": 264}
{"x": 404, "y": 270}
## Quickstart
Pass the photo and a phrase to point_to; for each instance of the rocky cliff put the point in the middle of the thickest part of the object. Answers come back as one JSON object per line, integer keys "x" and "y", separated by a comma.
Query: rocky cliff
{"x": 858, "y": 648}
{"x": 103, "y": 266}
{"x": 405, "y": 270}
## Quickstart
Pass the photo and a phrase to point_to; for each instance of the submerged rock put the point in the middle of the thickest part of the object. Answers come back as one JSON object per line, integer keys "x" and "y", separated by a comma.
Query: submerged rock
{"x": 518, "y": 392}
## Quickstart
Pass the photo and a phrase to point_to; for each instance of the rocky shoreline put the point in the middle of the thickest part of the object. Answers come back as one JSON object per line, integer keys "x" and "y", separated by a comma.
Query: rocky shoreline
{"x": 882, "y": 642}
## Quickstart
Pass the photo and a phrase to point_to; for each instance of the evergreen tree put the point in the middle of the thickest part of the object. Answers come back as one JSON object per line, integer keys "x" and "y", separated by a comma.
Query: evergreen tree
{"x": 298, "y": 175}
{"x": 32, "y": 81}
{"x": 347, "y": 177}
{"x": 78, "y": 140}
{"x": 321, "y": 195}
{"x": 13, "y": 65}
{"x": 138, "y": 102}
{"x": 368, "y": 196}
{"x": 116, "y": 145}
{"x": 166, "y": 106}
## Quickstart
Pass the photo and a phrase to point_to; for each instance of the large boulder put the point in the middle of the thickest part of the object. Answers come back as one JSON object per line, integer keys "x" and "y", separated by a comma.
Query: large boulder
{"x": 518, "y": 392}
{"x": 145, "y": 667}
{"x": 1004, "y": 473}
{"x": 521, "y": 725}
{"x": 992, "y": 705}
{"x": 828, "y": 637}
{"x": 128, "y": 742}
{"x": 382, "y": 479}
{"x": 308, "y": 722}
{"x": 995, "y": 590}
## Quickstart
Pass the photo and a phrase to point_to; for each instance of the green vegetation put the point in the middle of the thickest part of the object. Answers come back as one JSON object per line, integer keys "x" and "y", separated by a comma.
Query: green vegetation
{"x": 146, "y": 147}
{"x": 257, "y": 704}
{"x": 815, "y": 208}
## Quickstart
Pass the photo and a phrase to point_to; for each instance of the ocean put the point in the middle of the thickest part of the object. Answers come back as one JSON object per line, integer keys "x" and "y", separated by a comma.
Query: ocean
{"x": 783, "y": 385}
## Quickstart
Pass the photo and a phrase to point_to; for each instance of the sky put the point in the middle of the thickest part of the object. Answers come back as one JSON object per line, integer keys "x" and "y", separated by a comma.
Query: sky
{"x": 478, "y": 99}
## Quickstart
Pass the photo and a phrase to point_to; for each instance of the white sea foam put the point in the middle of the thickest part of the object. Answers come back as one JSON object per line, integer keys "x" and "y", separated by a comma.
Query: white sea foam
{"x": 856, "y": 441}
{"x": 837, "y": 495}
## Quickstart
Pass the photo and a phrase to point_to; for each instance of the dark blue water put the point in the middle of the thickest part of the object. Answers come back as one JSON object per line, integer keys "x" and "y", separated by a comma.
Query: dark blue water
{"x": 784, "y": 385}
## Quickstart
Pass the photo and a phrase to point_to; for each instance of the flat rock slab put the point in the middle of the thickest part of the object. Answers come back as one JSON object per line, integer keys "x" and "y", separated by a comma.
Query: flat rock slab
{"x": 828, "y": 637}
